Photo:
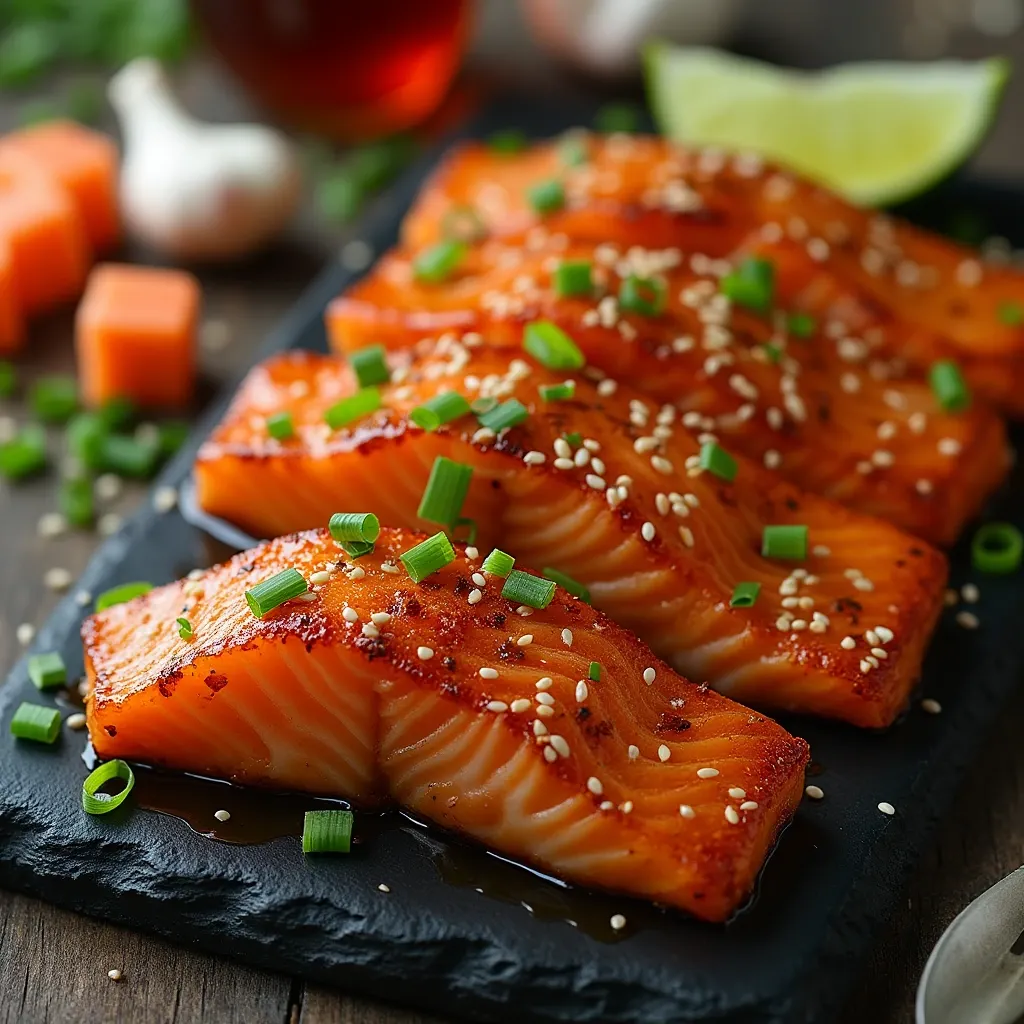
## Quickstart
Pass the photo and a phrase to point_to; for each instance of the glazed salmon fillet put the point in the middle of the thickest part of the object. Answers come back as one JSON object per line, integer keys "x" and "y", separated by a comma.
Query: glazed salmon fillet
{"x": 646, "y": 191}
{"x": 813, "y": 407}
{"x": 623, "y": 508}
{"x": 380, "y": 690}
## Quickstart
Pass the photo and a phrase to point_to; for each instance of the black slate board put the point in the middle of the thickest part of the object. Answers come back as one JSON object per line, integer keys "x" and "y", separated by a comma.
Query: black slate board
{"x": 453, "y": 935}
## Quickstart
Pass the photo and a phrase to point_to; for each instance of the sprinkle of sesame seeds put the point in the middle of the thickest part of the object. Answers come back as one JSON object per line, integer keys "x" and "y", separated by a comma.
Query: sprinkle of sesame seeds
{"x": 567, "y": 637}
{"x": 25, "y": 633}
{"x": 686, "y": 534}
{"x": 707, "y": 773}
{"x": 424, "y": 653}
{"x": 647, "y": 531}
{"x": 497, "y": 706}
{"x": 595, "y": 481}
{"x": 748, "y": 805}
{"x": 479, "y": 579}
{"x": 518, "y": 706}
{"x": 970, "y": 593}
{"x": 357, "y": 572}
{"x": 863, "y": 583}
{"x": 545, "y": 683}
{"x": 539, "y": 728}
{"x": 368, "y": 630}
{"x": 687, "y": 811}
{"x": 627, "y": 807}
{"x": 732, "y": 815}
{"x": 664, "y": 753}
{"x": 633, "y": 751}
{"x": 488, "y": 673}
{"x": 886, "y": 808}
{"x": 562, "y": 448}
{"x": 814, "y": 792}
{"x": 866, "y": 665}
{"x": 75, "y": 721}
{"x": 57, "y": 579}
{"x": 931, "y": 706}
{"x": 582, "y": 691}
{"x": 594, "y": 785}
{"x": 383, "y": 888}
{"x": 871, "y": 637}
{"x": 618, "y": 922}
{"x": 472, "y": 553}
{"x": 350, "y": 615}
{"x": 535, "y": 458}
{"x": 737, "y": 793}
{"x": 525, "y": 640}
{"x": 564, "y": 464}
{"x": 114, "y": 975}
{"x": 560, "y": 744}
{"x": 550, "y": 754}
{"x": 475, "y": 596}
{"x": 649, "y": 675}
{"x": 968, "y": 620}
{"x": 545, "y": 698}
{"x": 661, "y": 464}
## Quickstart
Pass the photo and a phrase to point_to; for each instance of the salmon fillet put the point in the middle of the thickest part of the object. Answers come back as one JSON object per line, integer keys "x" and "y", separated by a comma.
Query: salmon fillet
{"x": 646, "y": 191}
{"x": 660, "y": 544}
{"x": 437, "y": 708}
{"x": 814, "y": 408}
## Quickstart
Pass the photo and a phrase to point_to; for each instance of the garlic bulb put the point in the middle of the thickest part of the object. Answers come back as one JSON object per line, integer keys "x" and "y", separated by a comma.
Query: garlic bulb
{"x": 197, "y": 191}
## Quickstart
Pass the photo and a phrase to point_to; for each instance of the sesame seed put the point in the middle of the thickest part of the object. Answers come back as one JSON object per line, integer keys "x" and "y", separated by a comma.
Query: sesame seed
{"x": 706, "y": 773}
{"x": 968, "y": 620}
{"x": 595, "y": 481}
{"x": 524, "y": 610}
{"x": 525, "y": 640}
{"x": 562, "y": 448}
{"x": 383, "y": 888}
{"x": 479, "y": 579}
{"x": 564, "y": 464}
{"x": 871, "y": 637}
{"x": 814, "y": 792}
{"x": 664, "y": 753}
{"x": 25, "y": 633}
{"x": 647, "y": 531}
{"x": 865, "y": 665}
{"x": 222, "y": 815}
{"x": 649, "y": 675}
{"x": 424, "y": 653}
{"x": 57, "y": 579}
{"x": 535, "y": 458}
{"x": 545, "y": 683}
{"x": 661, "y": 464}
{"x": 545, "y": 698}
{"x": 550, "y": 754}
{"x": 75, "y": 721}
{"x": 581, "y": 457}
{"x": 886, "y": 808}
{"x": 165, "y": 499}
{"x": 863, "y": 583}
{"x": 567, "y": 637}
{"x": 482, "y": 435}
{"x": 368, "y": 630}
{"x": 114, "y": 975}
{"x": 488, "y": 673}
{"x": 627, "y": 807}
{"x": 821, "y": 551}
{"x": 879, "y": 652}
{"x": 350, "y": 615}
{"x": 83, "y": 598}
{"x": 737, "y": 793}
{"x": 618, "y": 922}
{"x": 970, "y": 593}
{"x": 931, "y": 706}
{"x": 748, "y": 805}
{"x": 108, "y": 524}
{"x": 475, "y": 596}
{"x": 318, "y": 579}
{"x": 687, "y": 811}
{"x": 633, "y": 751}
{"x": 582, "y": 691}
{"x": 472, "y": 553}
{"x": 687, "y": 535}
{"x": 594, "y": 785}
{"x": 560, "y": 744}
{"x": 107, "y": 486}
{"x": 539, "y": 728}
{"x": 606, "y": 387}
{"x": 732, "y": 815}
{"x": 52, "y": 524}
{"x": 949, "y": 446}
{"x": 517, "y": 707}
{"x": 497, "y": 706}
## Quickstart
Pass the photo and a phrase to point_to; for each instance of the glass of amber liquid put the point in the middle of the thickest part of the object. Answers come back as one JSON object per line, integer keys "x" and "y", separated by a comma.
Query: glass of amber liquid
{"x": 347, "y": 68}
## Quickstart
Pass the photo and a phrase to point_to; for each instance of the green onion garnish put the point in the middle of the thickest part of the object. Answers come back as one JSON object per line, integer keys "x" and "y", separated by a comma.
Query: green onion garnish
{"x": 573, "y": 277}
{"x": 509, "y": 414}
{"x": 95, "y": 802}
{"x": 558, "y": 392}
{"x": 573, "y": 440}
{"x": 118, "y": 595}
{"x": 642, "y": 295}
{"x": 546, "y": 196}
{"x": 499, "y": 563}
{"x": 446, "y": 491}
{"x": 1011, "y": 314}
{"x": 744, "y": 595}
{"x": 801, "y": 325}
{"x": 751, "y": 284}
{"x": 773, "y": 352}
{"x": 438, "y": 262}
{"x": 8, "y": 379}
{"x": 568, "y": 583}
{"x": 127, "y": 456}
{"x": 522, "y": 588}
{"x": 171, "y": 435}
{"x": 440, "y": 409}
{"x": 35, "y": 722}
{"x": 997, "y": 548}
{"x": 551, "y": 346}
{"x": 428, "y": 557}
{"x": 463, "y": 224}
{"x": 117, "y": 413}
{"x": 280, "y": 426}
{"x": 354, "y": 527}
{"x": 185, "y": 630}
{"x": 470, "y": 527}
{"x": 85, "y": 434}
{"x": 594, "y": 672}
{"x": 25, "y": 454}
{"x": 47, "y": 670}
{"x": 618, "y": 117}
{"x": 54, "y": 399}
{"x": 481, "y": 405}
{"x": 718, "y": 461}
{"x": 350, "y": 409}
{"x": 572, "y": 149}
{"x": 357, "y": 549}
{"x": 949, "y": 387}
{"x": 789, "y": 542}
{"x": 327, "y": 831}
{"x": 75, "y": 500}
{"x": 370, "y": 365}
{"x": 279, "y": 589}
{"x": 507, "y": 141}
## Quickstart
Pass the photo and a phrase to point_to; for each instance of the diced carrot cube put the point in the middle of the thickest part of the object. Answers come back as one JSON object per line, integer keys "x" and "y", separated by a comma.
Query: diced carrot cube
{"x": 135, "y": 333}
{"x": 12, "y": 327}
{"x": 49, "y": 250}
{"x": 83, "y": 161}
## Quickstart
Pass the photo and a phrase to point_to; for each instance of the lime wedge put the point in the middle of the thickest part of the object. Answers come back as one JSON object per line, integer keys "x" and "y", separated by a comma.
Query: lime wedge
{"x": 876, "y": 132}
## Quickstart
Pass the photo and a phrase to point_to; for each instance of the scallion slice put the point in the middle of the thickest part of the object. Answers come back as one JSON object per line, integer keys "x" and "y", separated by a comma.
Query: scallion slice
{"x": 47, "y": 670}
{"x": 718, "y": 461}
{"x": 122, "y": 593}
{"x": 440, "y": 409}
{"x": 75, "y": 500}
{"x": 499, "y": 563}
{"x": 744, "y": 594}
{"x": 354, "y": 527}
{"x": 355, "y": 407}
{"x": 507, "y": 141}
{"x": 171, "y": 435}
{"x": 573, "y": 277}
{"x": 25, "y": 454}
{"x": 118, "y": 413}
{"x": 509, "y": 414}
{"x": 370, "y": 365}
{"x": 573, "y": 440}
{"x": 618, "y": 117}
{"x": 751, "y": 284}
{"x": 428, "y": 557}
{"x": 546, "y": 196}
{"x": 949, "y": 387}
{"x": 8, "y": 379}
{"x": 446, "y": 491}
{"x": 327, "y": 831}
{"x": 801, "y": 325}
{"x": 522, "y": 588}
{"x": 772, "y": 352}
{"x": 481, "y": 405}
{"x": 558, "y": 392}
{"x": 997, "y": 548}
{"x": 276, "y": 591}
{"x": 357, "y": 549}
{"x": 439, "y": 261}
{"x": 788, "y": 542}
{"x": 642, "y": 295}
{"x": 85, "y": 434}
{"x": 54, "y": 399}
{"x": 280, "y": 426}
{"x": 568, "y": 583}
{"x": 594, "y": 672}
{"x": 127, "y": 456}
{"x": 551, "y": 346}
{"x": 185, "y": 630}
{"x": 1011, "y": 314}
{"x": 470, "y": 527}
{"x": 35, "y": 722}
{"x": 572, "y": 149}
{"x": 95, "y": 802}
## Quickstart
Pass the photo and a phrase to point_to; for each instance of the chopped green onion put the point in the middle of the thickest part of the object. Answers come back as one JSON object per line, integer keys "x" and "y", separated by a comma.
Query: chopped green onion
{"x": 572, "y": 149}
{"x": 185, "y": 630}
{"x": 370, "y": 365}
{"x": 481, "y": 405}
{"x": 801, "y": 325}
{"x": 594, "y": 672}
{"x": 428, "y": 557}
{"x": 354, "y": 527}
{"x": 25, "y": 454}
{"x": 339, "y": 195}
{"x": 558, "y": 392}
{"x": 95, "y": 802}
{"x": 85, "y": 434}
{"x": 642, "y": 295}
{"x": 280, "y": 426}
{"x": 127, "y": 456}
{"x": 355, "y": 407}
{"x": 744, "y": 595}
{"x": 438, "y": 262}
{"x": 499, "y": 563}
{"x": 568, "y": 583}
{"x": 122, "y": 593}
{"x": 47, "y": 670}
{"x": 789, "y": 542}
{"x": 773, "y": 352}
{"x": 276, "y": 591}
{"x": 532, "y": 591}
{"x": 751, "y": 284}
{"x": 573, "y": 440}
{"x": 357, "y": 549}
{"x": 327, "y": 831}
{"x": 35, "y": 722}
{"x": 618, "y": 117}
{"x": 573, "y": 277}
{"x": 507, "y": 141}
{"x": 471, "y": 529}
{"x": 171, "y": 435}
{"x": 117, "y": 413}
{"x": 1011, "y": 314}
{"x": 509, "y": 414}
{"x": 446, "y": 491}
{"x": 997, "y": 548}
{"x": 54, "y": 399}
{"x": 546, "y": 196}
{"x": 463, "y": 224}
{"x": 551, "y": 346}
{"x": 949, "y": 387}
{"x": 75, "y": 500}
{"x": 440, "y": 409}
{"x": 718, "y": 461}
{"x": 8, "y": 379}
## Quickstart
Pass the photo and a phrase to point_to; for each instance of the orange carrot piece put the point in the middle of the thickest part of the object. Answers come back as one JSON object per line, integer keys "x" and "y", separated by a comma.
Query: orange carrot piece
{"x": 82, "y": 161}
{"x": 12, "y": 327}
{"x": 135, "y": 335}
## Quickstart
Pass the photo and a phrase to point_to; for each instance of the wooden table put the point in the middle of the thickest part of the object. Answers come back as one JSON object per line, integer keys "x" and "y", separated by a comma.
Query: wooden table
{"x": 53, "y": 964}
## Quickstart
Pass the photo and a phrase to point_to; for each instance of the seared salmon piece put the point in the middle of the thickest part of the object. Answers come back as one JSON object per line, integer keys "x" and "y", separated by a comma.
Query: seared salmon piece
{"x": 380, "y": 690}
{"x": 607, "y": 488}
{"x": 646, "y": 191}
{"x": 808, "y": 403}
